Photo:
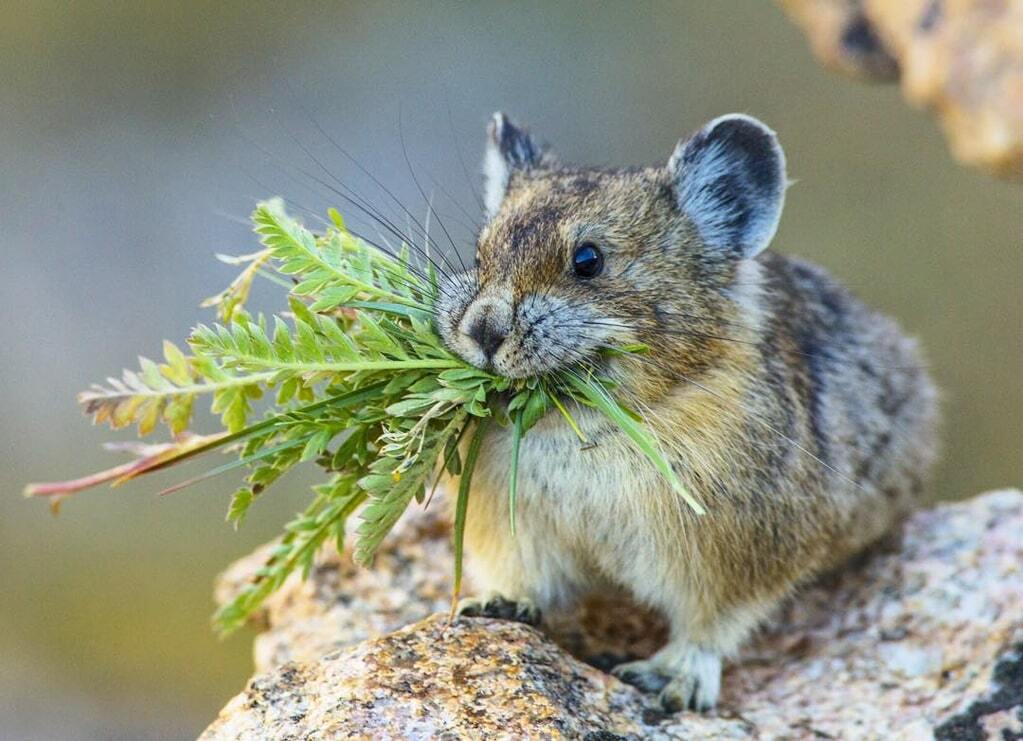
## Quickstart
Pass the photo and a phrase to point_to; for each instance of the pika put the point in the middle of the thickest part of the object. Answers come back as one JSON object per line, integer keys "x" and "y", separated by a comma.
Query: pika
{"x": 803, "y": 421}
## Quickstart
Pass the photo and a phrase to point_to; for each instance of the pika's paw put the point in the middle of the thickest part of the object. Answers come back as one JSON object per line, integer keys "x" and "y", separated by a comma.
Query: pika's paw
{"x": 645, "y": 675}
{"x": 496, "y": 606}
{"x": 691, "y": 692}
{"x": 685, "y": 678}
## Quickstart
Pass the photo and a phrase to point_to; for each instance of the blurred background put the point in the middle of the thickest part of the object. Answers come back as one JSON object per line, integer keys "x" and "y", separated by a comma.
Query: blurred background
{"x": 135, "y": 138}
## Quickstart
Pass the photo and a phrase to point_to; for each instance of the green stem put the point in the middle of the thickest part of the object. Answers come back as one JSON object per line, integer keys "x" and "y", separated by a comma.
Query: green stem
{"x": 239, "y": 463}
{"x": 373, "y": 291}
{"x": 199, "y": 388}
{"x": 340, "y": 401}
{"x": 351, "y": 367}
{"x": 257, "y": 592}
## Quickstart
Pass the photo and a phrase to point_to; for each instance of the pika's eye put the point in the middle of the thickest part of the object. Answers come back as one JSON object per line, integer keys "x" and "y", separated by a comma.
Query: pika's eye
{"x": 588, "y": 261}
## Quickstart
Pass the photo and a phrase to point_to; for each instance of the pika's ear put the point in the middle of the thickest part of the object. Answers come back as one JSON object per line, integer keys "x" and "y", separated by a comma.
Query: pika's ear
{"x": 509, "y": 148}
{"x": 729, "y": 180}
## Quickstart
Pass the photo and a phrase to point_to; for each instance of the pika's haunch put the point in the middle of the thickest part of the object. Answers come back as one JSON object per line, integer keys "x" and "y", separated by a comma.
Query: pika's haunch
{"x": 802, "y": 420}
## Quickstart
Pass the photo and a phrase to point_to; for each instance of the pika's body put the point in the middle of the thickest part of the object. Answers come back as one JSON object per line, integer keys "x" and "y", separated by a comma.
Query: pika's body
{"x": 801, "y": 420}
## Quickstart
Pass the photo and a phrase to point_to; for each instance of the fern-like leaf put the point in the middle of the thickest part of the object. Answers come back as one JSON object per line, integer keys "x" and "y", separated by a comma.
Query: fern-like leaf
{"x": 161, "y": 392}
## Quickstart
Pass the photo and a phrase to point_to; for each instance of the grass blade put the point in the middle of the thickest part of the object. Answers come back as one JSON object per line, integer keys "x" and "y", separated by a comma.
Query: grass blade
{"x": 232, "y": 465}
{"x": 640, "y": 436}
{"x": 462, "y": 505}
{"x": 513, "y": 478}
{"x": 568, "y": 418}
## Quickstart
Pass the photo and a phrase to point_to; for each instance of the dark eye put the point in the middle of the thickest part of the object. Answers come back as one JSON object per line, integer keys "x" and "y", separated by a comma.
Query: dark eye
{"x": 588, "y": 261}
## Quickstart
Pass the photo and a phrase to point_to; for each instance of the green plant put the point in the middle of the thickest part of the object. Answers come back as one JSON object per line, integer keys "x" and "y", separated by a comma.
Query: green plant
{"x": 361, "y": 385}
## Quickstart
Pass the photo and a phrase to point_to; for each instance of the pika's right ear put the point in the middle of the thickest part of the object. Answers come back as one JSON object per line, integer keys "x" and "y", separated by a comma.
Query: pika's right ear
{"x": 509, "y": 148}
{"x": 729, "y": 179}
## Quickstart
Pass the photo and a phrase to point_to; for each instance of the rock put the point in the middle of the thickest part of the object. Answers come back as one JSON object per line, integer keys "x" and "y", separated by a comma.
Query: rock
{"x": 920, "y": 642}
{"x": 341, "y": 604}
{"x": 471, "y": 679}
{"x": 843, "y": 39}
{"x": 963, "y": 59}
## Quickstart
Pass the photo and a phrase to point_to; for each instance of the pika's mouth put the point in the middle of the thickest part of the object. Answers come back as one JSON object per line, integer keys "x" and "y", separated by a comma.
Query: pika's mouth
{"x": 522, "y": 337}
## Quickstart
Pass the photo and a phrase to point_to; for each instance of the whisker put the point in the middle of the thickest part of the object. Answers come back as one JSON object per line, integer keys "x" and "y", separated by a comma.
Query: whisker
{"x": 378, "y": 215}
{"x": 283, "y": 168}
{"x": 358, "y": 201}
{"x": 315, "y": 215}
{"x": 458, "y": 152}
{"x": 472, "y": 226}
{"x": 415, "y": 180}
{"x": 752, "y": 415}
{"x": 684, "y": 332}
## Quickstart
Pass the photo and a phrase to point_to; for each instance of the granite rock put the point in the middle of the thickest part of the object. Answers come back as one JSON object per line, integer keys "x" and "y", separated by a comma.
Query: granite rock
{"x": 922, "y": 641}
{"x": 962, "y": 59}
{"x": 843, "y": 39}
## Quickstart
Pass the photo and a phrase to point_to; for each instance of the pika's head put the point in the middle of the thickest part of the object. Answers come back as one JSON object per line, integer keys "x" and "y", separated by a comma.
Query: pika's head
{"x": 574, "y": 260}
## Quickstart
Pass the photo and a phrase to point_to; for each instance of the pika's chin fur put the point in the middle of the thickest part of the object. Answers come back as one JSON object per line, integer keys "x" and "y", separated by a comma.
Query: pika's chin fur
{"x": 802, "y": 420}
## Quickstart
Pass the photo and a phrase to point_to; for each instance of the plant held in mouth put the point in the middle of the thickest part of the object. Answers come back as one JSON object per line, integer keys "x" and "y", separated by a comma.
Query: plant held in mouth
{"x": 360, "y": 385}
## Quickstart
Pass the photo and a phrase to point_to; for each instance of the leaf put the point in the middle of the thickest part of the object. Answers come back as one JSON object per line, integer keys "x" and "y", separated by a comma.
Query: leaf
{"x": 166, "y": 393}
{"x": 240, "y": 503}
{"x": 536, "y": 406}
{"x": 452, "y": 460}
{"x": 354, "y": 358}
{"x": 383, "y": 511}
{"x": 392, "y": 308}
{"x": 304, "y": 535}
{"x": 231, "y": 300}
{"x": 298, "y": 253}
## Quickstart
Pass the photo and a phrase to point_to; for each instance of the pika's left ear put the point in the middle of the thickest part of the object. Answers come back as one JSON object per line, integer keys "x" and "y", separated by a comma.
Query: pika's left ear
{"x": 729, "y": 180}
{"x": 509, "y": 147}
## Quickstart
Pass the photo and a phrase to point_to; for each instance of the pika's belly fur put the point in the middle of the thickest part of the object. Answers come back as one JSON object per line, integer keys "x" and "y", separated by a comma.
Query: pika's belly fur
{"x": 579, "y": 526}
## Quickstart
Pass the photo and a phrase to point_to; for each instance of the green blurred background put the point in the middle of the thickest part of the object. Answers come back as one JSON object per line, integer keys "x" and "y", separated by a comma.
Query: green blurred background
{"x": 132, "y": 138}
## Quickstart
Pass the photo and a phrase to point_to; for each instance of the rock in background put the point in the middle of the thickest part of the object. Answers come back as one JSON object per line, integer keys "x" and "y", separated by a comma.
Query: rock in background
{"x": 926, "y": 640}
{"x": 963, "y": 59}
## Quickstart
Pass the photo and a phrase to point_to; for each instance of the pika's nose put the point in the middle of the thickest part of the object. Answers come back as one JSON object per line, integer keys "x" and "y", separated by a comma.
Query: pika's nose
{"x": 487, "y": 335}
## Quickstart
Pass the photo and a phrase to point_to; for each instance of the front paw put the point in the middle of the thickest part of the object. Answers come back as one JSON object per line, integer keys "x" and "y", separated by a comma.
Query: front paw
{"x": 644, "y": 674}
{"x": 496, "y": 606}
{"x": 690, "y": 692}
{"x": 686, "y": 679}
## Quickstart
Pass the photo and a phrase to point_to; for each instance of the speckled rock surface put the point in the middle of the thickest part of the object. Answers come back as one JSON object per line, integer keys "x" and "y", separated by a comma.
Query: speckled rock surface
{"x": 963, "y": 59}
{"x": 341, "y": 604}
{"x": 924, "y": 641}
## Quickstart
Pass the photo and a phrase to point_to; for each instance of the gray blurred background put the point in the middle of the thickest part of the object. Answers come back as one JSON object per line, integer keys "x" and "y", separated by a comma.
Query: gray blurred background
{"x": 134, "y": 137}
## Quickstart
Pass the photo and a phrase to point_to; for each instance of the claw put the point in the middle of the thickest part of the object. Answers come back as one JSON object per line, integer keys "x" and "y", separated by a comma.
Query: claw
{"x": 496, "y": 606}
{"x": 685, "y": 693}
{"x": 642, "y": 674}
{"x": 686, "y": 680}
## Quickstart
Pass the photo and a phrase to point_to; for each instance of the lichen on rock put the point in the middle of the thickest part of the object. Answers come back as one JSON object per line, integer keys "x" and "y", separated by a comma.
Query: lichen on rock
{"x": 904, "y": 643}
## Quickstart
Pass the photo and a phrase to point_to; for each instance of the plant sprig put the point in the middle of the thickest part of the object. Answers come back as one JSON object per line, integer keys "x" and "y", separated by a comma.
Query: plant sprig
{"x": 359, "y": 383}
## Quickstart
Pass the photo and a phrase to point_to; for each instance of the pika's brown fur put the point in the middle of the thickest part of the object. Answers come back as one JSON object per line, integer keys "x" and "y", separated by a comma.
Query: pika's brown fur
{"x": 803, "y": 421}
